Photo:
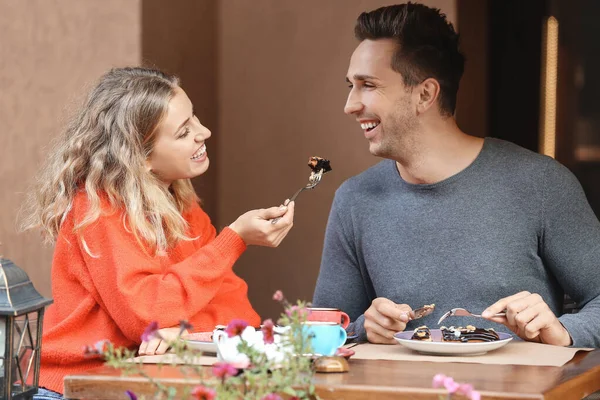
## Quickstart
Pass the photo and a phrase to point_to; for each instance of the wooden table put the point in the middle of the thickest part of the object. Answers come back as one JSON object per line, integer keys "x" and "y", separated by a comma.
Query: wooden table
{"x": 381, "y": 380}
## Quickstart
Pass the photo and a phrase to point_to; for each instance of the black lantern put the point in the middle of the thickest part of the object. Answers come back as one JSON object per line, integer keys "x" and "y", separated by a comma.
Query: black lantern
{"x": 21, "y": 318}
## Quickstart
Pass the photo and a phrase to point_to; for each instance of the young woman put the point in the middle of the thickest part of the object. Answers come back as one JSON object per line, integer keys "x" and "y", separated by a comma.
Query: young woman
{"x": 132, "y": 244}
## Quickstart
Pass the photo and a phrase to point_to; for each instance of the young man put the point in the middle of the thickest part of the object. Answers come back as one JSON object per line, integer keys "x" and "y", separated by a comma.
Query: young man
{"x": 449, "y": 218}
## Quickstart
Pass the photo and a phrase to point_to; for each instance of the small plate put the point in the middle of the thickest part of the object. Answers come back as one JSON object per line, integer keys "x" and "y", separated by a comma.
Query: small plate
{"x": 437, "y": 347}
{"x": 200, "y": 341}
{"x": 344, "y": 352}
{"x": 350, "y": 338}
{"x": 340, "y": 352}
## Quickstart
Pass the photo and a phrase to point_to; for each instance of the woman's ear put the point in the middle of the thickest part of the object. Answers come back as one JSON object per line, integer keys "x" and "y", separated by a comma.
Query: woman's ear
{"x": 148, "y": 164}
{"x": 429, "y": 92}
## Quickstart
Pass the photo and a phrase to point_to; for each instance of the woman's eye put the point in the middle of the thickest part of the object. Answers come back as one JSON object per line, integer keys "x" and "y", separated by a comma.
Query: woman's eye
{"x": 185, "y": 132}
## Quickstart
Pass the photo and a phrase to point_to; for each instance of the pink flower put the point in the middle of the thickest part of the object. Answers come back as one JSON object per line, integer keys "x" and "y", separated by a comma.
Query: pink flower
{"x": 438, "y": 381}
{"x": 450, "y": 385}
{"x": 183, "y": 325}
{"x": 278, "y": 296}
{"x": 267, "y": 330}
{"x": 242, "y": 364}
{"x": 272, "y": 396}
{"x": 203, "y": 393}
{"x": 236, "y": 327}
{"x": 441, "y": 380}
{"x": 131, "y": 395}
{"x": 465, "y": 389}
{"x": 290, "y": 311}
{"x": 223, "y": 370}
{"x": 150, "y": 332}
{"x": 300, "y": 311}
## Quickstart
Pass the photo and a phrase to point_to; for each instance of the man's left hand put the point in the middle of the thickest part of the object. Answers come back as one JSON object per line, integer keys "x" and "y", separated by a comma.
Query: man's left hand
{"x": 528, "y": 315}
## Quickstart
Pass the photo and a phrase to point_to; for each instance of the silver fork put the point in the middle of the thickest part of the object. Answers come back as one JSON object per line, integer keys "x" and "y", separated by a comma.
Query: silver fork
{"x": 313, "y": 180}
{"x": 461, "y": 312}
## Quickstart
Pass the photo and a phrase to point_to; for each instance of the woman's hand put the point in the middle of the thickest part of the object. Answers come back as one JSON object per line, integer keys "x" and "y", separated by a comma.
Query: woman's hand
{"x": 161, "y": 341}
{"x": 255, "y": 227}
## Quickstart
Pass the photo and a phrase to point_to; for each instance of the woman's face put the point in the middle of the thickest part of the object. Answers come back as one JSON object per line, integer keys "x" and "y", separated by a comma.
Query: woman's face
{"x": 179, "y": 151}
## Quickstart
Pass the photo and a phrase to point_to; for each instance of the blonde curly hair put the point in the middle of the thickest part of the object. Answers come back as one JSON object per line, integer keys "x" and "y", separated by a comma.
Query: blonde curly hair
{"x": 103, "y": 151}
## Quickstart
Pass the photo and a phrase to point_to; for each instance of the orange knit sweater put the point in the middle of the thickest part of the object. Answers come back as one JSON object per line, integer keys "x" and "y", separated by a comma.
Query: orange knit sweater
{"x": 118, "y": 291}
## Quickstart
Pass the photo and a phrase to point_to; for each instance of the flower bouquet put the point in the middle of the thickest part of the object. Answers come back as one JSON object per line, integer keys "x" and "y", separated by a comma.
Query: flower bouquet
{"x": 254, "y": 364}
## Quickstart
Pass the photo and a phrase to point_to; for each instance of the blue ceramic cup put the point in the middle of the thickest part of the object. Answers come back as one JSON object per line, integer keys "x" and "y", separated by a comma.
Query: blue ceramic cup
{"x": 326, "y": 337}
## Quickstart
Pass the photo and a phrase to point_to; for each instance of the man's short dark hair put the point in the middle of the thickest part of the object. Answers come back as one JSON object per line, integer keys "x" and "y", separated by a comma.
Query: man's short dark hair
{"x": 427, "y": 46}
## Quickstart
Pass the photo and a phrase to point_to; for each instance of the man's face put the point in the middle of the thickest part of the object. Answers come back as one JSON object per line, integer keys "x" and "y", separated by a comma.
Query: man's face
{"x": 380, "y": 101}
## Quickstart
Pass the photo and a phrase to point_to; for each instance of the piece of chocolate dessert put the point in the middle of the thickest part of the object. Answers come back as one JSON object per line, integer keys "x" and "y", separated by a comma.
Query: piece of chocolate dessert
{"x": 317, "y": 164}
{"x": 468, "y": 334}
{"x": 423, "y": 311}
{"x": 422, "y": 333}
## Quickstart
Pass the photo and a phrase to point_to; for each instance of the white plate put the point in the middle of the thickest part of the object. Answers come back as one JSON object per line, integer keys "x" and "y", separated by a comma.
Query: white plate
{"x": 437, "y": 347}
{"x": 201, "y": 341}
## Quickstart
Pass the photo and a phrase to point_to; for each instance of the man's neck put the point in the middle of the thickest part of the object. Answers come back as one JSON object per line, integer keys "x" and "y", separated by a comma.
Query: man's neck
{"x": 441, "y": 152}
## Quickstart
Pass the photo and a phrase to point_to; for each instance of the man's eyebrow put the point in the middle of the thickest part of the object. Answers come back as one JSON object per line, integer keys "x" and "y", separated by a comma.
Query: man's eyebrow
{"x": 361, "y": 77}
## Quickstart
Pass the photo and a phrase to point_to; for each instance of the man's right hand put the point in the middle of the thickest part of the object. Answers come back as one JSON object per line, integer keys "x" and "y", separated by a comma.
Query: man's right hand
{"x": 385, "y": 318}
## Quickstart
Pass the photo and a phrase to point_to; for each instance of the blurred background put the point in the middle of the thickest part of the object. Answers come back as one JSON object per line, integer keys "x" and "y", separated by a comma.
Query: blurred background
{"x": 267, "y": 77}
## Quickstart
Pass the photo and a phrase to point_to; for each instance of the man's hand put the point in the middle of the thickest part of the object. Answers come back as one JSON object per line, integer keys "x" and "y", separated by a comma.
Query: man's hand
{"x": 385, "y": 318}
{"x": 528, "y": 315}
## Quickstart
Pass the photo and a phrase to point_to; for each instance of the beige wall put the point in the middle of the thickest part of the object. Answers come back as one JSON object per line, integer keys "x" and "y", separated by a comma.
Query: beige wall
{"x": 282, "y": 91}
{"x": 266, "y": 76}
{"x": 49, "y": 50}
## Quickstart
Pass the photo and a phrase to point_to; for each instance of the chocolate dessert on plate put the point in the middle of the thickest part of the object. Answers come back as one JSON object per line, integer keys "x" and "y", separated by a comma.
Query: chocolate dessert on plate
{"x": 468, "y": 334}
{"x": 422, "y": 333}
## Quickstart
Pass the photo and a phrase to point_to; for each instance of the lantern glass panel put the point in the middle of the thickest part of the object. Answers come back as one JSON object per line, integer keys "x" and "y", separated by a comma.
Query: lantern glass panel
{"x": 3, "y": 339}
{"x": 24, "y": 352}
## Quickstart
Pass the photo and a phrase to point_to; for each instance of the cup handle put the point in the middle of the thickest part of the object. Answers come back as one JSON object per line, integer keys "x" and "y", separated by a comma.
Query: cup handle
{"x": 343, "y": 336}
{"x": 218, "y": 337}
{"x": 345, "y": 319}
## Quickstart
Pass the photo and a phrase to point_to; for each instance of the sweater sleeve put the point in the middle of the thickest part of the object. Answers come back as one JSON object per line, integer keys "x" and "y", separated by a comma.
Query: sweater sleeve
{"x": 570, "y": 247}
{"x": 135, "y": 287}
{"x": 340, "y": 283}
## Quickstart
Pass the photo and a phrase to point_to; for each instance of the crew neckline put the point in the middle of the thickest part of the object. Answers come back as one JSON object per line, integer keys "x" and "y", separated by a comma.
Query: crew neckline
{"x": 473, "y": 167}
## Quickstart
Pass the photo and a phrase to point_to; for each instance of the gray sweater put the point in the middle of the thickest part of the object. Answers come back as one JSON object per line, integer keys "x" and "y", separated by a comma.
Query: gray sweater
{"x": 513, "y": 220}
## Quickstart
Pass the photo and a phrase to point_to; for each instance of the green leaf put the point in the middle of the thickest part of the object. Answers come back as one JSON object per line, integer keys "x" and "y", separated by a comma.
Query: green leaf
{"x": 172, "y": 393}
